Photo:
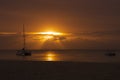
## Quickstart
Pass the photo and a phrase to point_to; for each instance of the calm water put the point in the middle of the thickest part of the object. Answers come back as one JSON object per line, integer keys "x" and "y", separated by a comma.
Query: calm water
{"x": 68, "y": 55}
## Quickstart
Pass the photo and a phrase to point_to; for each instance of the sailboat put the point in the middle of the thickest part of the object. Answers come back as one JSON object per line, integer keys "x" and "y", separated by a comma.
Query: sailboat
{"x": 110, "y": 54}
{"x": 23, "y": 51}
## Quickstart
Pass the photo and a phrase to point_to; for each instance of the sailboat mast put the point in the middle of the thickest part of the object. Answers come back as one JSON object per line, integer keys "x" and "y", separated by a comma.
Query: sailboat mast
{"x": 24, "y": 40}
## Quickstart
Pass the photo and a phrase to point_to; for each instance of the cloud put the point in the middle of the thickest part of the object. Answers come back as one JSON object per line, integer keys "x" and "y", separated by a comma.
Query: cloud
{"x": 88, "y": 40}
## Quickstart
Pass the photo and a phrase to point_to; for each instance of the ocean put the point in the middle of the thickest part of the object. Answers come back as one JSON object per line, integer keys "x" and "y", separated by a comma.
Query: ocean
{"x": 62, "y": 55}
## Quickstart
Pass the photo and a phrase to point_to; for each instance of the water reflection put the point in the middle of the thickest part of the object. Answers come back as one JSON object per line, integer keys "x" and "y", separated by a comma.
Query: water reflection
{"x": 50, "y": 56}
{"x": 81, "y": 56}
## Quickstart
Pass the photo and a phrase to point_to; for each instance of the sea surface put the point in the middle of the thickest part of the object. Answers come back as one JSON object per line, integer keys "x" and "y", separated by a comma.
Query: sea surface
{"x": 63, "y": 55}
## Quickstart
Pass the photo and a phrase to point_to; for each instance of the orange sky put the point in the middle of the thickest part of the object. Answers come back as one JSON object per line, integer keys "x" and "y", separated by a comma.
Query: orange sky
{"x": 98, "y": 18}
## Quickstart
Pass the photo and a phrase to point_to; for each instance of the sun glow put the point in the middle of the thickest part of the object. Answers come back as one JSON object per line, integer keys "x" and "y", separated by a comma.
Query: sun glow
{"x": 48, "y": 37}
{"x": 51, "y": 33}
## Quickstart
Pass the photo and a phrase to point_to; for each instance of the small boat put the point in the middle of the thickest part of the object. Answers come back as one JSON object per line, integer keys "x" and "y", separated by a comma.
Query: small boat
{"x": 111, "y": 54}
{"x": 23, "y": 51}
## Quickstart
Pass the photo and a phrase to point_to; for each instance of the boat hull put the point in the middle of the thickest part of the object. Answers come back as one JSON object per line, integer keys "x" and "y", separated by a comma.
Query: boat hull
{"x": 20, "y": 53}
{"x": 110, "y": 54}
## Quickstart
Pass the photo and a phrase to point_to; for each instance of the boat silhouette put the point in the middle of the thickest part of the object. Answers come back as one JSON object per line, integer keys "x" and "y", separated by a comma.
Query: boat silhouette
{"x": 110, "y": 54}
{"x": 23, "y": 51}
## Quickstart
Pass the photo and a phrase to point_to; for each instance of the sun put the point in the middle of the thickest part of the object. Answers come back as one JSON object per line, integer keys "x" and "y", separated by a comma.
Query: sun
{"x": 51, "y": 33}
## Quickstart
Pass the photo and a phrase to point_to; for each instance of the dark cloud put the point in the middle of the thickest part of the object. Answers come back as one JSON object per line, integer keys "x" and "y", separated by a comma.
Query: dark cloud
{"x": 88, "y": 40}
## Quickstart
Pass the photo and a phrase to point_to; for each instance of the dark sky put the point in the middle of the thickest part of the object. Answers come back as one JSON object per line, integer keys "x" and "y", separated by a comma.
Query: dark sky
{"x": 96, "y": 18}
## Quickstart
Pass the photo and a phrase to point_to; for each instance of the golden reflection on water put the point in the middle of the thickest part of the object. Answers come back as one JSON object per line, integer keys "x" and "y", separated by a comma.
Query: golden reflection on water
{"x": 51, "y": 56}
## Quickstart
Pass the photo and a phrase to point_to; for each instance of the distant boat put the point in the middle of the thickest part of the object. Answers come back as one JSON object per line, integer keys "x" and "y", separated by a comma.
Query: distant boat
{"x": 110, "y": 54}
{"x": 23, "y": 51}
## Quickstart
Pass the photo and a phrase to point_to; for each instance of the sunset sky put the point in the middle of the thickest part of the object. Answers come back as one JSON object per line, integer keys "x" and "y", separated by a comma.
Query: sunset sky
{"x": 95, "y": 24}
